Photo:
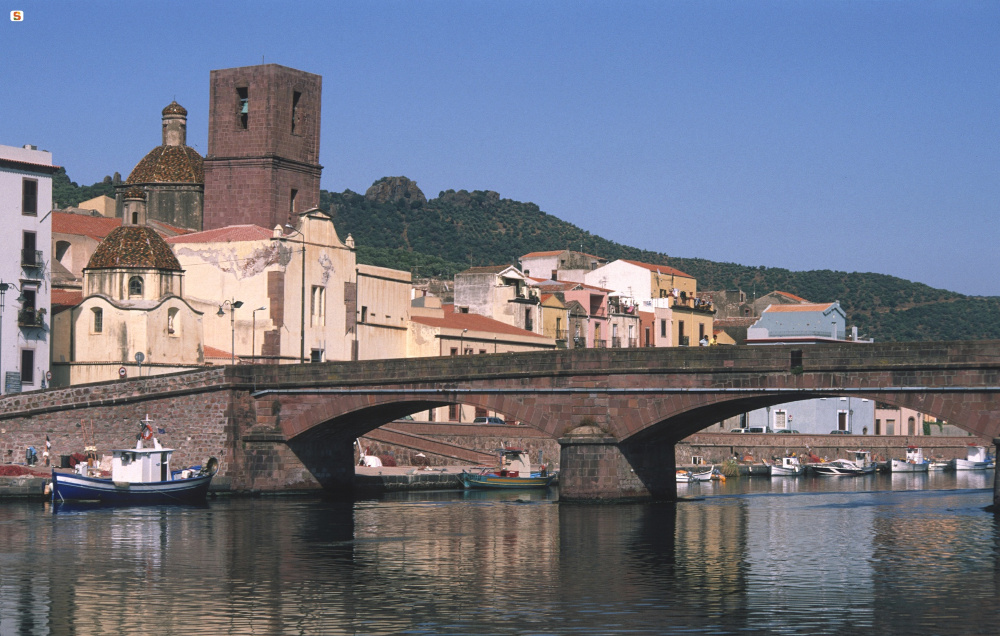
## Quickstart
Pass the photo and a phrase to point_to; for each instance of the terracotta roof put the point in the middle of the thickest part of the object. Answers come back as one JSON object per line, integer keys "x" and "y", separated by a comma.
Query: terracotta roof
{"x": 96, "y": 227}
{"x": 662, "y": 269}
{"x": 539, "y": 254}
{"x": 133, "y": 246}
{"x": 472, "y": 322}
{"x": 213, "y": 352}
{"x": 169, "y": 164}
{"x": 563, "y": 285}
{"x": 66, "y": 298}
{"x": 804, "y": 307}
{"x": 228, "y": 234}
{"x": 173, "y": 108}
{"x": 791, "y": 296}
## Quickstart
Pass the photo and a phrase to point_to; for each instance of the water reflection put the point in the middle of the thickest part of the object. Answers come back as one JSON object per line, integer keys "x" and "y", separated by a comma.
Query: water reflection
{"x": 732, "y": 558}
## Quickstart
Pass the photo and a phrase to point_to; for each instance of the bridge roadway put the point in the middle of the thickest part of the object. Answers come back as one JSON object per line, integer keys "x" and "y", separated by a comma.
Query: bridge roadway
{"x": 616, "y": 413}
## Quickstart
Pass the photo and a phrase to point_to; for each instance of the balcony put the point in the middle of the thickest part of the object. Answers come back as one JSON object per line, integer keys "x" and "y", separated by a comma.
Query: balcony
{"x": 600, "y": 344}
{"x": 31, "y": 318}
{"x": 579, "y": 343}
{"x": 31, "y": 259}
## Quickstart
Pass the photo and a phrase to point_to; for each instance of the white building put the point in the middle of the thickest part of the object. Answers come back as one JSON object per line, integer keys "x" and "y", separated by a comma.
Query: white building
{"x": 25, "y": 203}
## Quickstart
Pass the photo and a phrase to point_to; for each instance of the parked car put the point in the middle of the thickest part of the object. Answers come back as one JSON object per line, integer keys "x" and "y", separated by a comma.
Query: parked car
{"x": 787, "y": 431}
{"x": 759, "y": 429}
{"x": 492, "y": 421}
{"x": 738, "y": 430}
{"x": 839, "y": 432}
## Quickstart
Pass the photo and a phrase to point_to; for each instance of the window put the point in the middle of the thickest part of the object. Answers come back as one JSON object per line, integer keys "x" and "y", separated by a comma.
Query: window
{"x": 780, "y": 420}
{"x": 291, "y": 201}
{"x": 296, "y": 96}
{"x": 27, "y": 366}
{"x": 172, "y": 326}
{"x": 452, "y": 412}
{"x": 682, "y": 339}
{"x": 364, "y": 314}
{"x": 454, "y": 351}
{"x": 29, "y": 255}
{"x": 528, "y": 325}
{"x": 64, "y": 253}
{"x": 318, "y": 306}
{"x": 316, "y": 355}
{"x": 135, "y": 286}
{"x": 243, "y": 107}
{"x": 843, "y": 424}
{"x": 29, "y": 197}
{"x": 98, "y": 320}
{"x": 663, "y": 328}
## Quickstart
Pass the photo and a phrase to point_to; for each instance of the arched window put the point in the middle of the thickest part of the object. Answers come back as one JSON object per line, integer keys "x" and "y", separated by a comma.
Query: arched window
{"x": 64, "y": 253}
{"x": 135, "y": 286}
{"x": 911, "y": 425}
{"x": 98, "y": 319}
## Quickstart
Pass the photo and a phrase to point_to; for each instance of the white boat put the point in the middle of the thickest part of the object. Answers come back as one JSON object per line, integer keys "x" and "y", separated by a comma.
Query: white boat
{"x": 705, "y": 475}
{"x": 138, "y": 476}
{"x": 789, "y": 466}
{"x": 977, "y": 459}
{"x": 862, "y": 464}
{"x": 683, "y": 476}
{"x": 914, "y": 462}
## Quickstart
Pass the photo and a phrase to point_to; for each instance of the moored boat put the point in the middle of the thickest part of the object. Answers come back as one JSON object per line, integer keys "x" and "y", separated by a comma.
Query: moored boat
{"x": 914, "y": 462}
{"x": 514, "y": 472}
{"x": 683, "y": 476}
{"x": 705, "y": 475}
{"x": 789, "y": 466}
{"x": 138, "y": 476}
{"x": 976, "y": 459}
{"x": 862, "y": 464}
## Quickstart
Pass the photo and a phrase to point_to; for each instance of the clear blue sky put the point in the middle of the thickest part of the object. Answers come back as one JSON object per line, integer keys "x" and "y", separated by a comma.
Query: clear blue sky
{"x": 854, "y": 136}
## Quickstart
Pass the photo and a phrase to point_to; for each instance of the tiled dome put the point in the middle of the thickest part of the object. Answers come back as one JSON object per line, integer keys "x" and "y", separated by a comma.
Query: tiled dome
{"x": 169, "y": 164}
{"x": 173, "y": 108}
{"x": 135, "y": 246}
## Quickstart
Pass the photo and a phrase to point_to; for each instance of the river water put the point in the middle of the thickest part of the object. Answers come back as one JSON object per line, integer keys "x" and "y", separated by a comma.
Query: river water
{"x": 879, "y": 554}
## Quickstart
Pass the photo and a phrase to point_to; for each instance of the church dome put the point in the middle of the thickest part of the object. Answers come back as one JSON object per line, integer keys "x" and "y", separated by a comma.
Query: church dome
{"x": 133, "y": 246}
{"x": 169, "y": 164}
{"x": 173, "y": 108}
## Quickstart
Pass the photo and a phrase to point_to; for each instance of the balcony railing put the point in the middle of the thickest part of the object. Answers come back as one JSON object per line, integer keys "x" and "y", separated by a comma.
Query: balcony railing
{"x": 600, "y": 344}
{"x": 30, "y": 318}
{"x": 579, "y": 343}
{"x": 31, "y": 258}
{"x": 616, "y": 342}
{"x": 561, "y": 334}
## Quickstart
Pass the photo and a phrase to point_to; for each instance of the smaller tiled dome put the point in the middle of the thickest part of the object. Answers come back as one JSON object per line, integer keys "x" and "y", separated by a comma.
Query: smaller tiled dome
{"x": 173, "y": 108}
{"x": 169, "y": 164}
{"x": 133, "y": 246}
{"x": 134, "y": 192}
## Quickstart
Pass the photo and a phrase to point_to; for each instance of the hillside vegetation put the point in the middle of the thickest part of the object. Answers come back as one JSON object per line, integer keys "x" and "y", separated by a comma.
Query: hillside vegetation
{"x": 394, "y": 225}
{"x": 456, "y": 230}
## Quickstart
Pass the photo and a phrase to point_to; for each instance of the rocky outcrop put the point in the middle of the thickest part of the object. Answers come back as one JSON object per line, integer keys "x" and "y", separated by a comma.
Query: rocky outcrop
{"x": 392, "y": 189}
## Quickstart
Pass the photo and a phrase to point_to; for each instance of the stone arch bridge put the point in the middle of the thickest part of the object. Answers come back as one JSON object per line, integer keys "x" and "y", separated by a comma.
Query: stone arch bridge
{"x": 617, "y": 413}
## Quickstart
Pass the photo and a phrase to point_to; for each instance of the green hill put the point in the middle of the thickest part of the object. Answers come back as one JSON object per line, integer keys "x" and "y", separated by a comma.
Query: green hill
{"x": 456, "y": 230}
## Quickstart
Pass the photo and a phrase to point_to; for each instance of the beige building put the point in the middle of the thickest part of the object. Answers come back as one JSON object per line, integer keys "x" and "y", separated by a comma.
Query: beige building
{"x": 500, "y": 292}
{"x": 438, "y": 330}
{"x": 132, "y": 317}
{"x": 274, "y": 296}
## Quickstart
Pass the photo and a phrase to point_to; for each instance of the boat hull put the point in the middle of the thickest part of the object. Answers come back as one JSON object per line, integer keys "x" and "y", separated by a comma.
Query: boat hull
{"x": 73, "y": 487}
{"x": 965, "y": 464}
{"x": 497, "y": 482}
{"x": 782, "y": 471}
{"x": 898, "y": 466}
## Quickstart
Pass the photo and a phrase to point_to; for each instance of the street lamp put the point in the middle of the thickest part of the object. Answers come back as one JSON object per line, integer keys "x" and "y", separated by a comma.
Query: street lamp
{"x": 3, "y": 291}
{"x": 461, "y": 343}
{"x": 233, "y": 306}
{"x": 302, "y": 312}
{"x": 253, "y": 337}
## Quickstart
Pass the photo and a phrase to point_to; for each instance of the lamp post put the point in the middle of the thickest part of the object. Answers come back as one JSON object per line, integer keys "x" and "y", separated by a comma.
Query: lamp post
{"x": 3, "y": 291}
{"x": 253, "y": 337}
{"x": 233, "y": 306}
{"x": 302, "y": 312}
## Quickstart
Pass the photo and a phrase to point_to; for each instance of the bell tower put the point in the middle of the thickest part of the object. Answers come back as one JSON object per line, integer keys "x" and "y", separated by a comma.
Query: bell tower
{"x": 263, "y": 145}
